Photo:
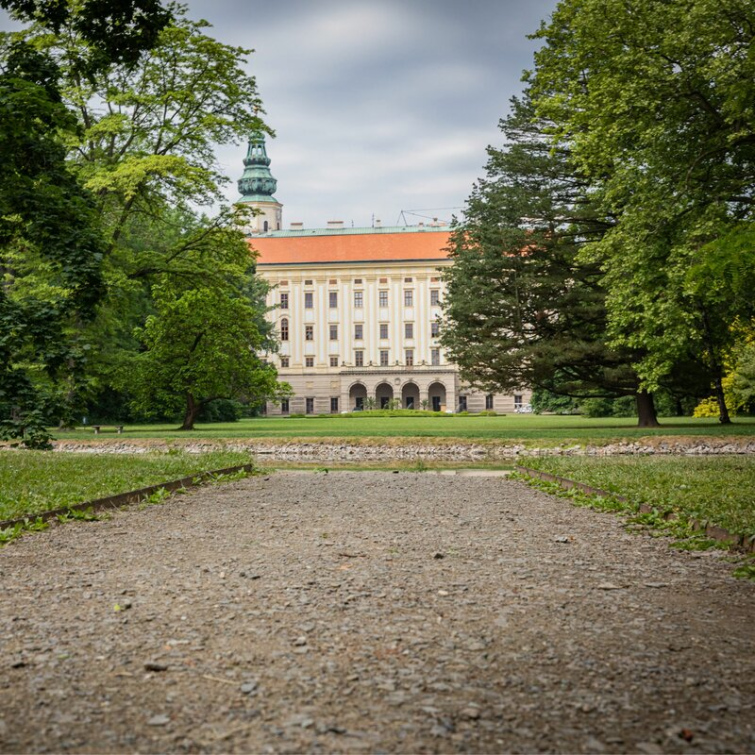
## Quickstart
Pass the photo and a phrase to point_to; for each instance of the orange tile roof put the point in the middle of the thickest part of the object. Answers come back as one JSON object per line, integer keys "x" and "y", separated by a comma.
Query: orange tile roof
{"x": 350, "y": 247}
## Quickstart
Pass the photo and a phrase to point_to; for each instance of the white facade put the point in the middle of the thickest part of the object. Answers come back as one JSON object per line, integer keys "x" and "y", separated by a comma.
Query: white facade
{"x": 357, "y": 334}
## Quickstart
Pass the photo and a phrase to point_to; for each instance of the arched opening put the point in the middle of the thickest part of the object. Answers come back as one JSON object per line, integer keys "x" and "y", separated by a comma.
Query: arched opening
{"x": 383, "y": 395}
{"x": 437, "y": 395}
{"x": 410, "y": 396}
{"x": 357, "y": 395}
{"x": 265, "y": 226}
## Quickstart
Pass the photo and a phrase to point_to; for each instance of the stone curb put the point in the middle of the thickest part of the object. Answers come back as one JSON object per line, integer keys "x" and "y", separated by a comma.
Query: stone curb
{"x": 719, "y": 534}
{"x": 132, "y": 496}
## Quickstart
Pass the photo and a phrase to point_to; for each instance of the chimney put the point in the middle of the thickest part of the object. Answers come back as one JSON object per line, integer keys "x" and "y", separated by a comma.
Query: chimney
{"x": 335, "y": 224}
{"x": 378, "y": 223}
{"x": 297, "y": 226}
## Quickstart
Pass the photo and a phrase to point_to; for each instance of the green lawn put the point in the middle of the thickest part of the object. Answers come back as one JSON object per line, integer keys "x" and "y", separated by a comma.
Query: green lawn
{"x": 531, "y": 429}
{"x": 36, "y": 481}
{"x": 718, "y": 490}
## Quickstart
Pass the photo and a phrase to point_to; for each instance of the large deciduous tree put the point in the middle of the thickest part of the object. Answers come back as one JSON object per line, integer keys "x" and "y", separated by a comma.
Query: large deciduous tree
{"x": 654, "y": 99}
{"x": 51, "y": 244}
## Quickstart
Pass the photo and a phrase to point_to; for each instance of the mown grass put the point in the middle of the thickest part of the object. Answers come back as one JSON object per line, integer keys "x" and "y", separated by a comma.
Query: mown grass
{"x": 35, "y": 481}
{"x": 717, "y": 490}
{"x": 528, "y": 429}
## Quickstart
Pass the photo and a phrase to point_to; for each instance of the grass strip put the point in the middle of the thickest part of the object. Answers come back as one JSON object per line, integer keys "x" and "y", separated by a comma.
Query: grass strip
{"x": 717, "y": 491}
{"x": 32, "y": 482}
{"x": 529, "y": 429}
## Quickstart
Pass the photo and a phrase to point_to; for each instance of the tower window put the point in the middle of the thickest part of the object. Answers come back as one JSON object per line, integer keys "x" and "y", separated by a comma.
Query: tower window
{"x": 434, "y": 297}
{"x": 333, "y": 299}
{"x": 334, "y": 332}
{"x": 358, "y": 331}
{"x": 409, "y": 330}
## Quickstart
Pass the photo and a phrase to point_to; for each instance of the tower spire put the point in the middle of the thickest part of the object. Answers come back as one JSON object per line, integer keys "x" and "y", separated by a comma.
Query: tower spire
{"x": 257, "y": 186}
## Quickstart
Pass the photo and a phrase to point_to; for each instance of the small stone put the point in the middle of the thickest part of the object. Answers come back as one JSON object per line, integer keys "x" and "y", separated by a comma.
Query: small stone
{"x": 443, "y": 593}
{"x": 471, "y": 713}
{"x": 561, "y": 539}
{"x": 609, "y": 586}
{"x": 160, "y": 720}
{"x": 155, "y": 666}
{"x": 248, "y": 687}
{"x": 299, "y": 641}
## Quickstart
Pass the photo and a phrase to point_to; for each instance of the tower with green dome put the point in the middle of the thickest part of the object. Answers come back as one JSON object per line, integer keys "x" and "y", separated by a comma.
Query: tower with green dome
{"x": 257, "y": 186}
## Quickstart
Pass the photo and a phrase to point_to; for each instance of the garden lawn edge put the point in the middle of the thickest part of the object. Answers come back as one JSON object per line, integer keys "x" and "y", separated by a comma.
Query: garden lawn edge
{"x": 712, "y": 531}
{"x": 132, "y": 496}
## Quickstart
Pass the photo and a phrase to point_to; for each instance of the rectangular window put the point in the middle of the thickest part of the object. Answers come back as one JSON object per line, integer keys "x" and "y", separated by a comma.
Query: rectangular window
{"x": 333, "y": 299}
{"x": 284, "y": 300}
{"x": 435, "y": 279}
{"x": 309, "y": 333}
{"x": 409, "y": 330}
{"x": 284, "y": 329}
{"x": 358, "y": 331}
{"x": 407, "y": 280}
{"x": 462, "y": 403}
{"x": 382, "y": 298}
{"x": 358, "y": 299}
{"x": 409, "y": 298}
{"x": 284, "y": 406}
{"x": 384, "y": 358}
{"x": 309, "y": 299}
{"x": 284, "y": 362}
{"x": 332, "y": 282}
{"x": 310, "y": 406}
{"x": 384, "y": 280}
{"x": 309, "y": 361}
{"x": 434, "y": 297}
{"x": 357, "y": 281}
{"x": 334, "y": 332}
{"x": 517, "y": 400}
{"x": 334, "y": 404}
{"x": 308, "y": 282}
{"x": 435, "y": 357}
{"x": 334, "y": 361}
{"x": 384, "y": 330}
{"x": 489, "y": 401}
{"x": 359, "y": 358}
{"x": 434, "y": 329}
{"x": 409, "y": 355}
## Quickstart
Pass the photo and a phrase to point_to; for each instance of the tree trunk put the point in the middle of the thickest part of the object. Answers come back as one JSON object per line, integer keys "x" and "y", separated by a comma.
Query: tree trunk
{"x": 190, "y": 415}
{"x": 645, "y": 410}
{"x": 723, "y": 412}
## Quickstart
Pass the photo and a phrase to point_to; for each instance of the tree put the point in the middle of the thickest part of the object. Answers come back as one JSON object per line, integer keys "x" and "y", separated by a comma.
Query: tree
{"x": 523, "y": 307}
{"x": 201, "y": 345}
{"x": 51, "y": 247}
{"x": 654, "y": 101}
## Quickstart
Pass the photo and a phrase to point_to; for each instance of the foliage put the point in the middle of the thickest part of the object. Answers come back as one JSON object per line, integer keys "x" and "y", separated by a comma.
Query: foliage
{"x": 524, "y": 307}
{"x": 654, "y": 101}
{"x": 201, "y": 345}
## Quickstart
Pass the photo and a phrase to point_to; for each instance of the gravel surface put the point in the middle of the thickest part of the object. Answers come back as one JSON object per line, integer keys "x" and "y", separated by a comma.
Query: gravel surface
{"x": 375, "y": 612}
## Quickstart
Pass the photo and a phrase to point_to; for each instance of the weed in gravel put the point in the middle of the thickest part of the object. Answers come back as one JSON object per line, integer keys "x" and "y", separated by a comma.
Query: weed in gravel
{"x": 81, "y": 515}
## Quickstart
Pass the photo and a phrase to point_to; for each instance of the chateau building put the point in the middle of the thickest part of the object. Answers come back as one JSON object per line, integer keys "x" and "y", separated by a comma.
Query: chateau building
{"x": 357, "y": 310}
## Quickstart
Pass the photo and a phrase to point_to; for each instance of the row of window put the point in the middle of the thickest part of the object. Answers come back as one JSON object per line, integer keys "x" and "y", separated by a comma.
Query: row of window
{"x": 309, "y": 331}
{"x": 359, "y": 359}
{"x": 309, "y": 299}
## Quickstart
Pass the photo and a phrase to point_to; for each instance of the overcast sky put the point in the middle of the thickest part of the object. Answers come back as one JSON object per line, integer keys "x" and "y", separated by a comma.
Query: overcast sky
{"x": 378, "y": 106}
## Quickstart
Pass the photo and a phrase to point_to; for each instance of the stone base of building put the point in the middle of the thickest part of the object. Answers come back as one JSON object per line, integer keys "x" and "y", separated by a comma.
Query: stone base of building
{"x": 355, "y": 389}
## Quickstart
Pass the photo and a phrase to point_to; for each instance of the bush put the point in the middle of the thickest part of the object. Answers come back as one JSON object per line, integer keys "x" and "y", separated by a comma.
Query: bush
{"x": 488, "y": 413}
{"x": 708, "y": 407}
{"x": 221, "y": 410}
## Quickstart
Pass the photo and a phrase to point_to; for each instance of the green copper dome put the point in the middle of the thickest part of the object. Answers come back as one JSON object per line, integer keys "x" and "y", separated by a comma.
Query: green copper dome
{"x": 257, "y": 184}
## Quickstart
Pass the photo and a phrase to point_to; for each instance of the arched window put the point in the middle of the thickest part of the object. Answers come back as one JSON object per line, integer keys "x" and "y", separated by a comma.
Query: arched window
{"x": 284, "y": 329}
{"x": 264, "y": 226}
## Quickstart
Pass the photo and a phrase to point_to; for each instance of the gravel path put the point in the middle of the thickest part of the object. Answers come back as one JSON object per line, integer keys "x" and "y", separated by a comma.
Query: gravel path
{"x": 371, "y": 612}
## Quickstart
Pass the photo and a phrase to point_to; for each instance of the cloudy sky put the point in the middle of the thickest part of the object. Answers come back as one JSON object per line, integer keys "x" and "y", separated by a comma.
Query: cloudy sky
{"x": 378, "y": 106}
